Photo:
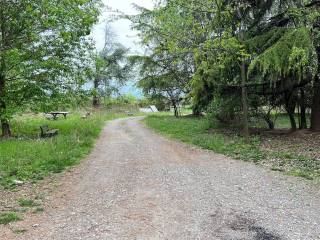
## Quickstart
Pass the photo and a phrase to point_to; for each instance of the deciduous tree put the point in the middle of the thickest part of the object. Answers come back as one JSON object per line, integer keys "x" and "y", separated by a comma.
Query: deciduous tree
{"x": 40, "y": 44}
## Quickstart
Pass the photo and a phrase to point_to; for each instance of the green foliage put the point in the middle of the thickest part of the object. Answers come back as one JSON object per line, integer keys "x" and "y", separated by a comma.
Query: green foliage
{"x": 19, "y": 231}
{"x": 293, "y": 55}
{"x": 167, "y": 71}
{"x": 23, "y": 202}
{"x": 6, "y": 218}
{"x": 225, "y": 109}
{"x": 127, "y": 99}
{"x": 122, "y": 101}
{"x": 43, "y": 50}
{"x": 210, "y": 44}
{"x": 111, "y": 70}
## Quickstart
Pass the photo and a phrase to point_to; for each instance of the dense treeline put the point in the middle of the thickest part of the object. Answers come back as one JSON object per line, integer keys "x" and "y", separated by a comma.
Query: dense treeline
{"x": 234, "y": 59}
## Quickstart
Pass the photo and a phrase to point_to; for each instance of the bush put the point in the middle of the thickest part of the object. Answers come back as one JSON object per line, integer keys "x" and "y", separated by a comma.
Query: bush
{"x": 145, "y": 102}
{"x": 226, "y": 111}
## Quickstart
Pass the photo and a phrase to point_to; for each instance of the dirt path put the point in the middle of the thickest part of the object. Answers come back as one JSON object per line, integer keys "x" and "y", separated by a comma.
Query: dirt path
{"x": 138, "y": 185}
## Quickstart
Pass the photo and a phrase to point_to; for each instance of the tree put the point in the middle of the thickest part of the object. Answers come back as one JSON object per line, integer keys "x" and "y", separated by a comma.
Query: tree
{"x": 159, "y": 79}
{"x": 39, "y": 46}
{"x": 239, "y": 49}
{"x": 277, "y": 38}
{"x": 111, "y": 67}
{"x": 167, "y": 71}
{"x": 289, "y": 62}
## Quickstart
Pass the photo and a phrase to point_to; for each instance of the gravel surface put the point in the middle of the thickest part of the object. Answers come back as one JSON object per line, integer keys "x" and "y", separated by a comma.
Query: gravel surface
{"x": 139, "y": 185}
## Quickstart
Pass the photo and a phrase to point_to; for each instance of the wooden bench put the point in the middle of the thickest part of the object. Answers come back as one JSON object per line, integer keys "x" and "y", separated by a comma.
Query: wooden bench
{"x": 56, "y": 114}
{"x": 46, "y": 132}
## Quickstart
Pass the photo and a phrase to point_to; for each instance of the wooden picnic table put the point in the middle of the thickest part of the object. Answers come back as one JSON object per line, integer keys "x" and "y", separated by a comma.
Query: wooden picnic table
{"x": 56, "y": 114}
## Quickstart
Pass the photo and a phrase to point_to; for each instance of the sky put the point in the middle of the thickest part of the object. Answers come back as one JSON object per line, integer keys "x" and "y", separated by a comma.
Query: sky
{"x": 123, "y": 32}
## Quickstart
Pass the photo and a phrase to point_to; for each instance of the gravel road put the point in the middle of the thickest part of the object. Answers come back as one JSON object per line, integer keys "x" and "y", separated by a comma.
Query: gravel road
{"x": 137, "y": 185}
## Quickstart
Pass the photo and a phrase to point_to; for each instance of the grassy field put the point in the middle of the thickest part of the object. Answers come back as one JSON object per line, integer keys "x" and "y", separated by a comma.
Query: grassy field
{"x": 283, "y": 121}
{"x": 28, "y": 157}
{"x": 199, "y": 132}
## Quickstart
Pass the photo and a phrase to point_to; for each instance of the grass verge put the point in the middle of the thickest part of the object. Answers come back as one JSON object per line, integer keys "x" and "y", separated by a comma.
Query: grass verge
{"x": 197, "y": 131}
{"x": 24, "y": 202}
{"x": 27, "y": 157}
{"x": 6, "y": 218}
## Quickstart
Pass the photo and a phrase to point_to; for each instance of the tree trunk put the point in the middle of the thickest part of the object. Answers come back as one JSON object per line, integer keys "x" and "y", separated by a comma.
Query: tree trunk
{"x": 196, "y": 111}
{"x": 269, "y": 122}
{"x": 292, "y": 121}
{"x": 290, "y": 105}
{"x": 303, "y": 115}
{"x": 96, "y": 102}
{"x": 175, "y": 107}
{"x": 315, "y": 114}
{"x": 96, "y": 99}
{"x": 244, "y": 97}
{"x": 176, "y": 111}
{"x": 244, "y": 92}
{"x": 5, "y": 126}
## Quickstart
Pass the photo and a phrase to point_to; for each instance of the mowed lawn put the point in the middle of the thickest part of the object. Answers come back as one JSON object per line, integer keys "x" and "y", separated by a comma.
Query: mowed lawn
{"x": 199, "y": 131}
{"x": 28, "y": 157}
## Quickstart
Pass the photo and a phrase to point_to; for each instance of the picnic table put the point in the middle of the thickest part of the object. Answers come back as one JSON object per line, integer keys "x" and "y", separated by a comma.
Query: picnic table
{"x": 56, "y": 114}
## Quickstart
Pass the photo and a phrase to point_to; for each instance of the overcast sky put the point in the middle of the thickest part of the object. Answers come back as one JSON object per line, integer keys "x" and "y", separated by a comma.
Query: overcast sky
{"x": 124, "y": 34}
{"x": 122, "y": 27}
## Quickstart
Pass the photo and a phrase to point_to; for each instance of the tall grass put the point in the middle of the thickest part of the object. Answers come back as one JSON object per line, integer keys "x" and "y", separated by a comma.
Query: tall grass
{"x": 28, "y": 157}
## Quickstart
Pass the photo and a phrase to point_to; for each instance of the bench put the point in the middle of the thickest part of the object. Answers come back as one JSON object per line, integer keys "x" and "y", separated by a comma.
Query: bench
{"x": 46, "y": 132}
{"x": 55, "y": 115}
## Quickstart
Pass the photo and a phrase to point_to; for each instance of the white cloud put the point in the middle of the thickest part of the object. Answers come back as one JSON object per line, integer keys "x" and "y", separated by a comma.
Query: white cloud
{"x": 125, "y": 35}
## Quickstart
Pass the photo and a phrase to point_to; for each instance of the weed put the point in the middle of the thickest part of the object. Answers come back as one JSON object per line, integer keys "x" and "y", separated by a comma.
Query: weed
{"x": 7, "y": 218}
{"x": 19, "y": 231}
{"x": 26, "y": 202}
{"x": 276, "y": 169}
{"x": 302, "y": 173}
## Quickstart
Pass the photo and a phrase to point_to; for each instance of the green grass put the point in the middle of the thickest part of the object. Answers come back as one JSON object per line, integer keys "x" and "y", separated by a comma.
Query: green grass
{"x": 6, "y": 218}
{"x": 283, "y": 121}
{"x": 196, "y": 131}
{"x": 19, "y": 231}
{"x": 23, "y": 202}
{"x": 27, "y": 157}
{"x": 199, "y": 131}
